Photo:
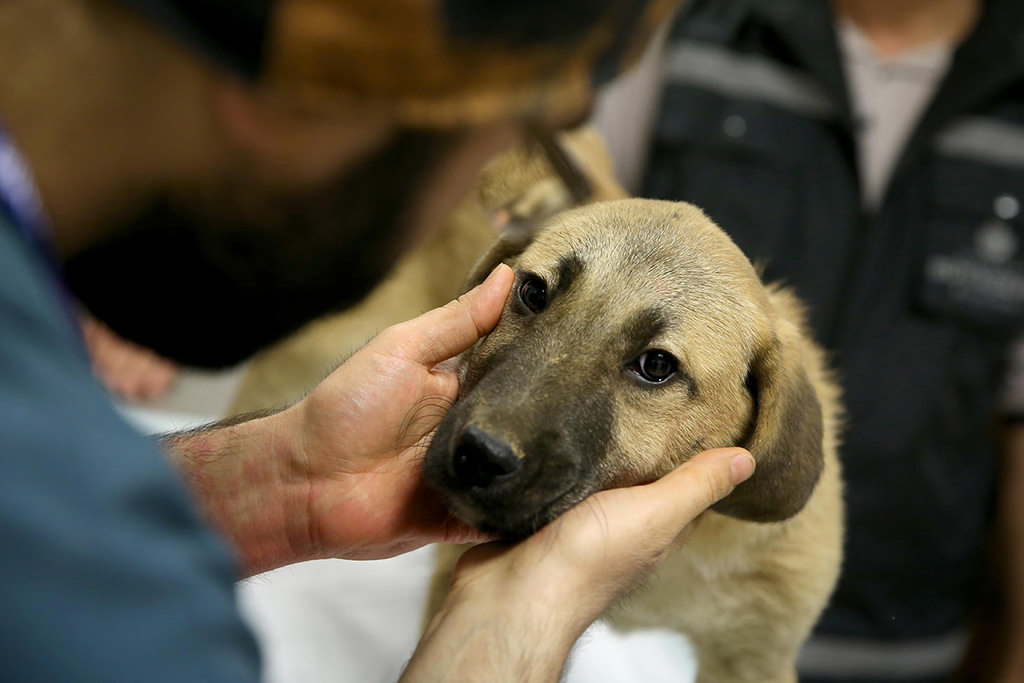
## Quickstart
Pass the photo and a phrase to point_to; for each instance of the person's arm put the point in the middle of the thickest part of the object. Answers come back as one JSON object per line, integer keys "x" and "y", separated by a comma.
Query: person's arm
{"x": 243, "y": 473}
{"x": 1010, "y": 521}
{"x": 338, "y": 473}
{"x": 514, "y": 611}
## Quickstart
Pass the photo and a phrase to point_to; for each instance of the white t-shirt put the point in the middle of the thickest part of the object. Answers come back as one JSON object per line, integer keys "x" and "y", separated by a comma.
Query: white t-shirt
{"x": 888, "y": 95}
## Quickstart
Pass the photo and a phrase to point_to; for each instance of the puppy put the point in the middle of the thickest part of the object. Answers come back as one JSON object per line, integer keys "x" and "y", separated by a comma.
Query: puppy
{"x": 636, "y": 335}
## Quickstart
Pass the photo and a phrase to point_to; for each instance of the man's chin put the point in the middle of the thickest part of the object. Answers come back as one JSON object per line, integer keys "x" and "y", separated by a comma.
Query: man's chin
{"x": 210, "y": 278}
{"x": 154, "y": 289}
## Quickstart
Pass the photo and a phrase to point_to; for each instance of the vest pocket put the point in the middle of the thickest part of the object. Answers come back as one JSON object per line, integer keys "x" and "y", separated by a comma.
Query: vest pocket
{"x": 972, "y": 266}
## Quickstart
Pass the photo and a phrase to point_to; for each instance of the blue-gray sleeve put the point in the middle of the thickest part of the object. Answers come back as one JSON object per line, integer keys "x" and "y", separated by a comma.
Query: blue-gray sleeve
{"x": 107, "y": 573}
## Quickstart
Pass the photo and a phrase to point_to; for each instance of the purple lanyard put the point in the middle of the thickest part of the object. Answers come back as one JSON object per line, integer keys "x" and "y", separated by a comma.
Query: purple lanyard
{"x": 20, "y": 201}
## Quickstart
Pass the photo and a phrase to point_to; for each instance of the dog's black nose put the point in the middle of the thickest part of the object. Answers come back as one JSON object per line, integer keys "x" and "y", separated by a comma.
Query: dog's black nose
{"x": 480, "y": 459}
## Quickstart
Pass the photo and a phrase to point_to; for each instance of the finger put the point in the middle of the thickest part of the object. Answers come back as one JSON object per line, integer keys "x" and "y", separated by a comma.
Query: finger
{"x": 156, "y": 376}
{"x": 699, "y": 483}
{"x": 458, "y": 532}
{"x": 448, "y": 331}
{"x": 164, "y": 374}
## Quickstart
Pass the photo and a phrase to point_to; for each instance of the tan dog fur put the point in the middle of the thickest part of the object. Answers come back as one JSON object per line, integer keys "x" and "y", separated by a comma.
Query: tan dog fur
{"x": 752, "y": 580}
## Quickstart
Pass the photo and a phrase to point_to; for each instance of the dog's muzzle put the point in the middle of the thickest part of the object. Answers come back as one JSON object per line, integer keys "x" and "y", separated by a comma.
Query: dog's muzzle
{"x": 482, "y": 461}
{"x": 491, "y": 486}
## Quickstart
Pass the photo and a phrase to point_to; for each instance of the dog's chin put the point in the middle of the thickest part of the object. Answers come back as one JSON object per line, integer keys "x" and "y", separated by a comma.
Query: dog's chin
{"x": 512, "y": 522}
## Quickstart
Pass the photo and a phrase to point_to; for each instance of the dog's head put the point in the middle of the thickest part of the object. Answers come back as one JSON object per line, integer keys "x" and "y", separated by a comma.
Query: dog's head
{"x": 636, "y": 335}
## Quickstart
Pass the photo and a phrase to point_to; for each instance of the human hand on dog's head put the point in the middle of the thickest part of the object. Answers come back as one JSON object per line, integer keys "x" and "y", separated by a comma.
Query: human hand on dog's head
{"x": 363, "y": 431}
{"x": 538, "y": 595}
{"x": 339, "y": 474}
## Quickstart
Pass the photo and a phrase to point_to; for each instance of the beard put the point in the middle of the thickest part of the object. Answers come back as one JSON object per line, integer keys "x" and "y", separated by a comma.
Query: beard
{"x": 209, "y": 276}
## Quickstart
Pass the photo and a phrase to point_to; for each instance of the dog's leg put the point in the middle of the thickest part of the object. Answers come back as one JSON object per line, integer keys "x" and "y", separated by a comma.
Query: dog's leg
{"x": 743, "y": 656}
{"x": 745, "y": 626}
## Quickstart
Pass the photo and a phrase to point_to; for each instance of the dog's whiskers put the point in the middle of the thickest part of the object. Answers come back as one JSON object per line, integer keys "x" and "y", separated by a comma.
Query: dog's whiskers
{"x": 422, "y": 418}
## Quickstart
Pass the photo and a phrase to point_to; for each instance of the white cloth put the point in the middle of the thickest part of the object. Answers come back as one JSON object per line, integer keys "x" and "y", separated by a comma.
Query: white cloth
{"x": 334, "y": 621}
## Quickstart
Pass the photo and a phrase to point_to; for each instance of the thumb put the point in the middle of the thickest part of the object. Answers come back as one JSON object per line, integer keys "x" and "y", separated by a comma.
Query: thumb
{"x": 700, "y": 482}
{"x": 445, "y": 332}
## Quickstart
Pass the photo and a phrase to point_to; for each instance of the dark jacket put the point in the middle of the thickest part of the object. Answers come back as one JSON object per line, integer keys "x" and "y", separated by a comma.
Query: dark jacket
{"x": 915, "y": 306}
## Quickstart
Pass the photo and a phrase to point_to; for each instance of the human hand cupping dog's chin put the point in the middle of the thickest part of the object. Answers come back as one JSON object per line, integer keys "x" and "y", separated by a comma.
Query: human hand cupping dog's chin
{"x": 612, "y": 540}
{"x": 537, "y": 596}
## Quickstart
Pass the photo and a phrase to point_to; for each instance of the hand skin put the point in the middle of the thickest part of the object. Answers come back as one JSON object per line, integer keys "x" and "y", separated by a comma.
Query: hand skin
{"x": 514, "y": 611}
{"x": 338, "y": 473}
{"x": 1008, "y": 652}
{"x": 126, "y": 369}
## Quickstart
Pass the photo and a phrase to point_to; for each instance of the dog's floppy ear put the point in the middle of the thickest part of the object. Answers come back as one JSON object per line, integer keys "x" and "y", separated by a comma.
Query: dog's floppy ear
{"x": 785, "y": 438}
{"x": 515, "y": 236}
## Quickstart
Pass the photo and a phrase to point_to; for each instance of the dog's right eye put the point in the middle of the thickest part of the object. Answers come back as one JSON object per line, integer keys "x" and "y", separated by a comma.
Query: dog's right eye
{"x": 656, "y": 366}
{"x": 534, "y": 294}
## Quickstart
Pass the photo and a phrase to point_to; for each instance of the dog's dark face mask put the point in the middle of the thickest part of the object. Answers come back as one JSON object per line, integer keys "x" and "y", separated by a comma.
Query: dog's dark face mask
{"x": 209, "y": 277}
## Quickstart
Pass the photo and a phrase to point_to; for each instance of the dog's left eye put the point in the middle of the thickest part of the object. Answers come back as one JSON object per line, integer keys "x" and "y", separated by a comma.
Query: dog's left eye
{"x": 656, "y": 366}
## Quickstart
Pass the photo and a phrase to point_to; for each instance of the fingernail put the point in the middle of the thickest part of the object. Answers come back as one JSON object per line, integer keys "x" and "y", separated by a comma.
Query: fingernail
{"x": 494, "y": 272}
{"x": 741, "y": 467}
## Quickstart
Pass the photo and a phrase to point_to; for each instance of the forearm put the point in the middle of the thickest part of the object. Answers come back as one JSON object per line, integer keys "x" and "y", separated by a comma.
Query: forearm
{"x": 245, "y": 477}
{"x": 499, "y": 640}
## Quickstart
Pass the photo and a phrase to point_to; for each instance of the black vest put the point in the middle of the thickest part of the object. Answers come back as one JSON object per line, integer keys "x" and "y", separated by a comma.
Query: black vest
{"x": 916, "y": 302}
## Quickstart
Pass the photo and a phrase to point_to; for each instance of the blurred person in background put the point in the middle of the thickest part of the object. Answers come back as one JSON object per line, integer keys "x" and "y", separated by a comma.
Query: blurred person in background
{"x": 870, "y": 153}
{"x": 204, "y": 177}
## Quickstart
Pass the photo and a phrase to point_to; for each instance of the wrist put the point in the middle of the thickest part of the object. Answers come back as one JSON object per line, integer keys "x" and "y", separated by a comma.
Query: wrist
{"x": 244, "y": 476}
{"x": 494, "y": 635}
{"x": 534, "y": 574}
